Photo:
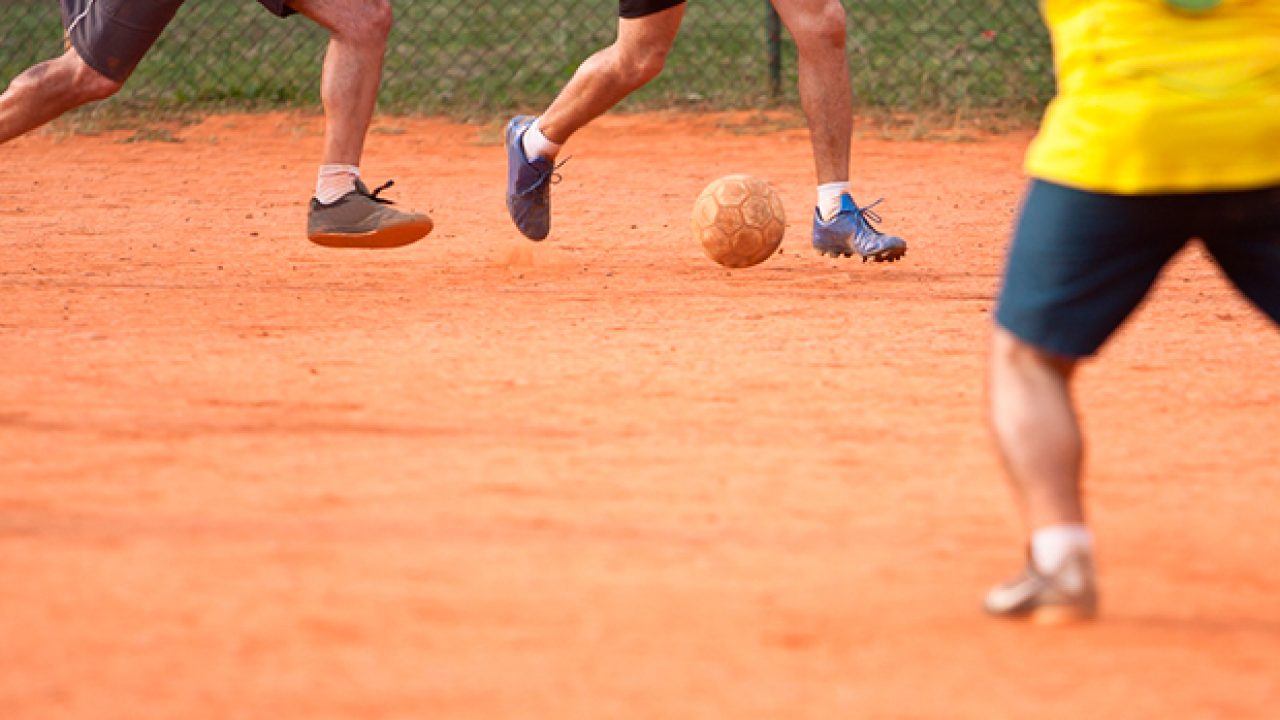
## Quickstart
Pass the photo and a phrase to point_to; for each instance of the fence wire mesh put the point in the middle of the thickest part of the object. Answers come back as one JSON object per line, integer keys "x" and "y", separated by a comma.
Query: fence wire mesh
{"x": 475, "y": 57}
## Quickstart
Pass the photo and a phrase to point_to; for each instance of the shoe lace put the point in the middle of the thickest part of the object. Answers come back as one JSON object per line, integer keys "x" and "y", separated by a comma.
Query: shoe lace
{"x": 872, "y": 217}
{"x": 374, "y": 194}
{"x": 551, "y": 177}
{"x": 555, "y": 175}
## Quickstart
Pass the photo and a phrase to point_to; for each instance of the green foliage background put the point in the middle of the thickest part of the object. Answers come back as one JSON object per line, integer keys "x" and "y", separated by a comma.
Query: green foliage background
{"x": 483, "y": 57}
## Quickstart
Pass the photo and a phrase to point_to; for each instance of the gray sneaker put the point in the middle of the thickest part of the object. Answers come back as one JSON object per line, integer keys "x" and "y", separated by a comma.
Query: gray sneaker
{"x": 361, "y": 219}
{"x": 1068, "y": 594}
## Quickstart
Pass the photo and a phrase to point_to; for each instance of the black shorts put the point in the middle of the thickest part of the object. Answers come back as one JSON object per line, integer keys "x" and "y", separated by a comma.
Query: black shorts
{"x": 639, "y": 8}
{"x": 1081, "y": 262}
{"x": 111, "y": 36}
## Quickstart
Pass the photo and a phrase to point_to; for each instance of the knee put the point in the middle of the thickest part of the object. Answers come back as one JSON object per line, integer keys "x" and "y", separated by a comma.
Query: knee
{"x": 70, "y": 79}
{"x": 822, "y": 28}
{"x": 91, "y": 85}
{"x": 638, "y": 65}
{"x": 380, "y": 20}
{"x": 370, "y": 27}
{"x": 1009, "y": 354}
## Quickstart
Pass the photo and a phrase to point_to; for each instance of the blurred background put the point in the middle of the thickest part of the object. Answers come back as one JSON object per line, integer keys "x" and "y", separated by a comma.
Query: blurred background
{"x": 477, "y": 58}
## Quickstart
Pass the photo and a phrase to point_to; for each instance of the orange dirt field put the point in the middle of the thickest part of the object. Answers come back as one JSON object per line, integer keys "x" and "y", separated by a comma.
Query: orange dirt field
{"x": 600, "y": 477}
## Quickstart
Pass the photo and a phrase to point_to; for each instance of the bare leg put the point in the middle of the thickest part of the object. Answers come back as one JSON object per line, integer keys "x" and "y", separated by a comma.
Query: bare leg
{"x": 46, "y": 91}
{"x": 607, "y": 77}
{"x": 1036, "y": 428}
{"x": 352, "y": 70}
{"x": 818, "y": 27}
{"x": 349, "y": 86}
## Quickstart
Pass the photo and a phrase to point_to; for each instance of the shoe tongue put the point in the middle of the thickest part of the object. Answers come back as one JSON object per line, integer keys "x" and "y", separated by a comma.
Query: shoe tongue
{"x": 541, "y": 164}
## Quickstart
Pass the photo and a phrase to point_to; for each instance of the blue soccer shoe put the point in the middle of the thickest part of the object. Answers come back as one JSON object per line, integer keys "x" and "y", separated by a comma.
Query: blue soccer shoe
{"x": 851, "y": 231}
{"x": 528, "y": 183}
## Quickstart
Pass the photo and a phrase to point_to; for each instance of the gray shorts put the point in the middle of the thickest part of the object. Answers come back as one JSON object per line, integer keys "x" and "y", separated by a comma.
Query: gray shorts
{"x": 111, "y": 36}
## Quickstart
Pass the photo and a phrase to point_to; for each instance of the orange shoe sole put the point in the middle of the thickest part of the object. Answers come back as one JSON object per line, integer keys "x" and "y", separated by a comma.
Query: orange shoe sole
{"x": 1057, "y": 615}
{"x": 382, "y": 238}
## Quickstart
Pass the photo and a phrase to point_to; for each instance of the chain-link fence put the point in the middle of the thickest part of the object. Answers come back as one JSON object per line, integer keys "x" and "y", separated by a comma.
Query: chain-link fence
{"x": 473, "y": 57}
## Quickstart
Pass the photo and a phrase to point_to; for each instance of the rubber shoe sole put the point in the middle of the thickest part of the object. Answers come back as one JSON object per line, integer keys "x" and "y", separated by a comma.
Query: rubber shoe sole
{"x": 887, "y": 255}
{"x": 383, "y": 238}
{"x": 1060, "y": 615}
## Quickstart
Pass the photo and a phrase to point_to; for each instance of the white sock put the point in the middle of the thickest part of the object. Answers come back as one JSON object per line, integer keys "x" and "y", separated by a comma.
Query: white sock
{"x": 334, "y": 181}
{"x": 829, "y": 198}
{"x": 536, "y": 145}
{"x": 1051, "y": 545}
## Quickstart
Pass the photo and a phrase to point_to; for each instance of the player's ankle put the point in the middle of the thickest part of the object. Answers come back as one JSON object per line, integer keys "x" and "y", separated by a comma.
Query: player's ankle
{"x": 829, "y": 195}
{"x": 1053, "y": 544}
{"x": 536, "y": 145}
{"x": 334, "y": 181}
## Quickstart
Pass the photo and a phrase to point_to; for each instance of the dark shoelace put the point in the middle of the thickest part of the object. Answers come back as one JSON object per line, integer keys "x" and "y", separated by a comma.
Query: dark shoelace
{"x": 555, "y": 176}
{"x": 871, "y": 217}
{"x": 374, "y": 195}
{"x": 550, "y": 178}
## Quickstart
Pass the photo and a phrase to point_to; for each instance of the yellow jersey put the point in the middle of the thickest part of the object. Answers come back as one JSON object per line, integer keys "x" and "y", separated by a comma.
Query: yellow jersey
{"x": 1156, "y": 100}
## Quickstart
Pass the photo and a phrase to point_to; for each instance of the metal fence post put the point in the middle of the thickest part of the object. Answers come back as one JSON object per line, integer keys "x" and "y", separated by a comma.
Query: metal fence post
{"x": 773, "y": 31}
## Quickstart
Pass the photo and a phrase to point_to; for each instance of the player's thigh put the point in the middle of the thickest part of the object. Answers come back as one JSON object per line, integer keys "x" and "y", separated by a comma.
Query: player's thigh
{"x": 112, "y": 36}
{"x": 649, "y": 26}
{"x": 1081, "y": 262}
{"x": 633, "y": 9}
{"x": 1242, "y": 232}
{"x": 647, "y": 31}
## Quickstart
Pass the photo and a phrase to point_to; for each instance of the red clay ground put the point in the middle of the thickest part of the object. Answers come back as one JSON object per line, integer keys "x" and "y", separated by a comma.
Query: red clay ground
{"x": 244, "y": 477}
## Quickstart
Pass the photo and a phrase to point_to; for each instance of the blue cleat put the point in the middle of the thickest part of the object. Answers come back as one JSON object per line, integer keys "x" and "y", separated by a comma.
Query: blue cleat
{"x": 851, "y": 231}
{"x": 528, "y": 183}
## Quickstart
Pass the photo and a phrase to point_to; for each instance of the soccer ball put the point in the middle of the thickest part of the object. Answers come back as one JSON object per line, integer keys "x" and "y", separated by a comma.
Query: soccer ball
{"x": 739, "y": 220}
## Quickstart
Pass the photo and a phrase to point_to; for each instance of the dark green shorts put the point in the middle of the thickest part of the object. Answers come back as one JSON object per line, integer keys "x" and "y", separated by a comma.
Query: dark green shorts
{"x": 1081, "y": 262}
{"x": 632, "y": 9}
{"x": 112, "y": 36}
